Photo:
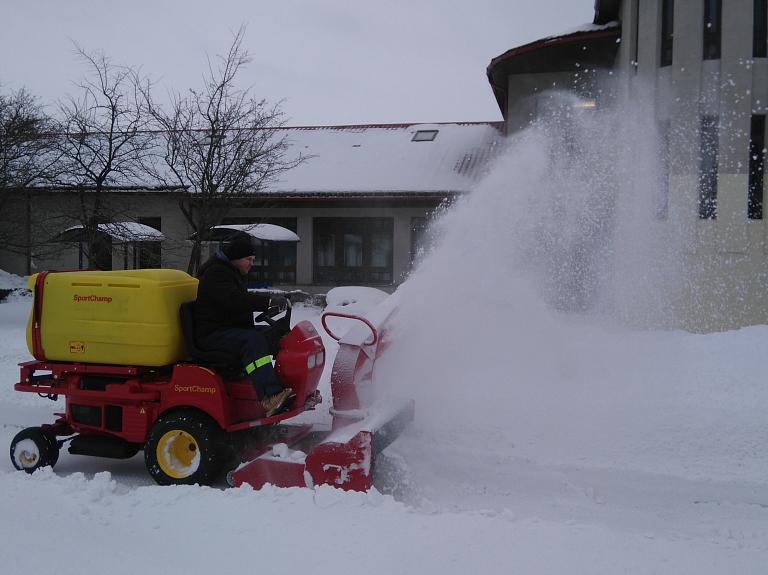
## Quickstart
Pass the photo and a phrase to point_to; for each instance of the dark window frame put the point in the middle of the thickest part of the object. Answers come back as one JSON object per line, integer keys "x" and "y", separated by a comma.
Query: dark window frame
{"x": 713, "y": 24}
{"x": 756, "y": 166}
{"x": 760, "y": 29}
{"x": 364, "y": 227}
{"x": 667, "y": 32}
{"x": 662, "y": 199}
{"x": 708, "y": 169}
{"x": 150, "y": 254}
{"x": 420, "y": 242}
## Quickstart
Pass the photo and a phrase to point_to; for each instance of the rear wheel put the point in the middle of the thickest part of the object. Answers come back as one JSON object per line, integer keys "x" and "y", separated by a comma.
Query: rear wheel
{"x": 33, "y": 448}
{"x": 184, "y": 448}
{"x": 51, "y": 437}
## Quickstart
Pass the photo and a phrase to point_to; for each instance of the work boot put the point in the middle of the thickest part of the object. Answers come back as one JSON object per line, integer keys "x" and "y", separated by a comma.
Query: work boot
{"x": 273, "y": 403}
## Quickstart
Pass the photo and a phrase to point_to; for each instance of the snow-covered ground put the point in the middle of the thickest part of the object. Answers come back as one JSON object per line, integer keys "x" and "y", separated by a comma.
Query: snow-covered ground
{"x": 648, "y": 457}
{"x": 544, "y": 443}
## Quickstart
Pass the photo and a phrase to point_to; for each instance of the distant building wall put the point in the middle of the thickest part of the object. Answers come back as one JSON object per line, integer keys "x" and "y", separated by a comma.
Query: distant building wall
{"x": 707, "y": 91}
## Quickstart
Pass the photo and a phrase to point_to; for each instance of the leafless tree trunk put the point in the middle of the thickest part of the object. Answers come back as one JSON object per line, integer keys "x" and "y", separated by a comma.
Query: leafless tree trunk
{"x": 28, "y": 159}
{"x": 221, "y": 144}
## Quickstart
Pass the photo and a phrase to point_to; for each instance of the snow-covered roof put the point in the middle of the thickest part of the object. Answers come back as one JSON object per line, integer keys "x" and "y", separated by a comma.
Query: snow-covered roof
{"x": 121, "y": 231}
{"x": 386, "y": 158}
{"x": 266, "y": 232}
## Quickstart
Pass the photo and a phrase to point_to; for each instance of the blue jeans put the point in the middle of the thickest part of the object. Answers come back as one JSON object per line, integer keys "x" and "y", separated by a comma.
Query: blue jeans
{"x": 253, "y": 350}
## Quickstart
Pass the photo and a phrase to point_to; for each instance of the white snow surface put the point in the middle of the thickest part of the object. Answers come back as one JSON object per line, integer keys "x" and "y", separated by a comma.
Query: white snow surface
{"x": 544, "y": 443}
{"x": 651, "y": 461}
{"x": 266, "y": 232}
{"x": 127, "y": 232}
{"x": 11, "y": 281}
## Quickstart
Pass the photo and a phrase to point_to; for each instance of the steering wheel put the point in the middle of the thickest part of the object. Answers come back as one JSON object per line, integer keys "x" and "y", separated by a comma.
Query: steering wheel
{"x": 266, "y": 316}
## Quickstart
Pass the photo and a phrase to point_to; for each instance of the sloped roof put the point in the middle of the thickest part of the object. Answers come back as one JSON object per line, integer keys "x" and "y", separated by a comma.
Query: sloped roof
{"x": 588, "y": 45}
{"x": 385, "y": 158}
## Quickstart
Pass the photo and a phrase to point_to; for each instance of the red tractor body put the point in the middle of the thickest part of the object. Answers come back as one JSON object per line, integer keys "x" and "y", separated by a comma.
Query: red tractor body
{"x": 194, "y": 419}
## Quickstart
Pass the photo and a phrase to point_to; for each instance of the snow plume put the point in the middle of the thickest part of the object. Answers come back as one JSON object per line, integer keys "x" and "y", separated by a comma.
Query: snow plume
{"x": 516, "y": 322}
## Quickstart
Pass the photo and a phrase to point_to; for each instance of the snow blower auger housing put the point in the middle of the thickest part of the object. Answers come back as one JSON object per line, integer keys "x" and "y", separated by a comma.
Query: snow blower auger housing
{"x": 118, "y": 346}
{"x": 364, "y": 423}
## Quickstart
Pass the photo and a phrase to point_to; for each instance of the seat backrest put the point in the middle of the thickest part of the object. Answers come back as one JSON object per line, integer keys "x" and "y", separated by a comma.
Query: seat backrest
{"x": 210, "y": 357}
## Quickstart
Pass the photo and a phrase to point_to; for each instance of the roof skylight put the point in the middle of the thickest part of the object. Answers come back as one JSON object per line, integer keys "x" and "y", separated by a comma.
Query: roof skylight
{"x": 424, "y": 135}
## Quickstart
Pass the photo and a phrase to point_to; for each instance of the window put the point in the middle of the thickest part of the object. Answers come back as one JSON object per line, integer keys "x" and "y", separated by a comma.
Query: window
{"x": 760, "y": 29}
{"x": 667, "y": 31}
{"x": 708, "y": 150}
{"x": 635, "y": 31}
{"x": 100, "y": 256}
{"x": 712, "y": 23}
{"x": 275, "y": 261}
{"x": 325, "y": 250}
{"x": 353, "y": 251}
{"x": 150, "y": 253}
{"x": 420, "y": 240}
{"x": 756, "y": 163}
{"x": 424, "y": 136}
{"x": 662, "y": 198}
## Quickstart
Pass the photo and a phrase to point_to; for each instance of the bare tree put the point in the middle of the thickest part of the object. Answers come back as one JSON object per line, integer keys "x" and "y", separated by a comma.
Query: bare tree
{"x": 221, "y": 145}
{"x": 28, "y": 158}
{"x": 105, "y": 143}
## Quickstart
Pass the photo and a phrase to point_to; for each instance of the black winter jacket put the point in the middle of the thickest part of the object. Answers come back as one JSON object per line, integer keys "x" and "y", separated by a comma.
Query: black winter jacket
{"x": 223, "y": 299}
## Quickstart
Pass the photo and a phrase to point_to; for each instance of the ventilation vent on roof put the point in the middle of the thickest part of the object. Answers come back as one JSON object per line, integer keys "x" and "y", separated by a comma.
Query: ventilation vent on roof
{"x": 424, "y": 136}
{"x": 474, "y": 161}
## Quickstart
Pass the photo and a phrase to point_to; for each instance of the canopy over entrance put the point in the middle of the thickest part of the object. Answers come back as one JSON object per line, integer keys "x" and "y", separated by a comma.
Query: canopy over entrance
{"x": 263, "y": 232}
{"x": 120, "y": 231}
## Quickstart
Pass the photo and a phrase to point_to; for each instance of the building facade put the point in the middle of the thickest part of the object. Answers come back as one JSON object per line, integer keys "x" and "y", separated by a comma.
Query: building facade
{"x": 360, "y": 205}
{"x": 700, "y": 68}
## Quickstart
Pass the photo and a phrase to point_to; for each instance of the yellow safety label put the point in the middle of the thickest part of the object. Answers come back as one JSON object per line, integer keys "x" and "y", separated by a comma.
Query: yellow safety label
{"x": 76, "y": 347}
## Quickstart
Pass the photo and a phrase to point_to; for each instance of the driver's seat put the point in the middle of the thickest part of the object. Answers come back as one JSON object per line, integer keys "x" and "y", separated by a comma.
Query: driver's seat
{"x": 202, "y": 356}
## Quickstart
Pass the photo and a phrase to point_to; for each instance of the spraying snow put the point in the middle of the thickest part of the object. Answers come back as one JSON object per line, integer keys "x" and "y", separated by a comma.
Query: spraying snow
{"x": 543, "y": 268}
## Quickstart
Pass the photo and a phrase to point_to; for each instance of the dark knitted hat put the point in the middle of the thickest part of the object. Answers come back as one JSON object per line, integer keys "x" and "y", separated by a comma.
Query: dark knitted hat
{"x": 238, "y": 249}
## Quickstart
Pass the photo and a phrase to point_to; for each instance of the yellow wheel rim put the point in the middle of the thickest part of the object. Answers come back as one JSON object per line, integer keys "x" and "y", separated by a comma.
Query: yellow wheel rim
{"x": 178, "y": 454}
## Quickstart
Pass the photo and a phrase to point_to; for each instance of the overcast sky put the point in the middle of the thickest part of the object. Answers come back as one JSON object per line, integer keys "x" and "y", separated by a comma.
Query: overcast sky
{"x": 333, "y": 62}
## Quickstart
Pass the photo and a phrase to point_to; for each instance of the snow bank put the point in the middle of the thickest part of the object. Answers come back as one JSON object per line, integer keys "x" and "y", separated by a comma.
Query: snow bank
{"x": 182, "y": 530}
{"x": 11, "y": 281}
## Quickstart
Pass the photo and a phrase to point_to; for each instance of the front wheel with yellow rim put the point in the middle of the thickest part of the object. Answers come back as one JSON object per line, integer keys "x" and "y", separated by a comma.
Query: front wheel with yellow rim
{"x": 183, "y": 448}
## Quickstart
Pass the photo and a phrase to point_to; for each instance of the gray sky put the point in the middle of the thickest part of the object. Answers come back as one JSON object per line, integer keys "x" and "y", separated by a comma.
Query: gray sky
{"x": 332, "y": 61}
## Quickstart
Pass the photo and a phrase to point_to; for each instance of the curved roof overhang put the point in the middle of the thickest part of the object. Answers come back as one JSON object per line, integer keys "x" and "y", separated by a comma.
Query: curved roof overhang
{"x": 606, "y": 11}
{"x": 595, "y": 47}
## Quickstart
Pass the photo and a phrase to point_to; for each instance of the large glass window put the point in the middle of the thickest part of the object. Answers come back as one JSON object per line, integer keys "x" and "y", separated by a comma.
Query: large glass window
{"x": 325, "y": 250}
{"x": 353, "y": 251}
{"x": 760, "y": 29}
{"x": 662, "y": 198}
{"x": 756, "y": 164}
{"x": 667, "y": 31}
{"x": 713, "y": 10}
{"x": 420, "y": 240}
{"x": 150, "y": 253}
{"x": 708, "y": 152}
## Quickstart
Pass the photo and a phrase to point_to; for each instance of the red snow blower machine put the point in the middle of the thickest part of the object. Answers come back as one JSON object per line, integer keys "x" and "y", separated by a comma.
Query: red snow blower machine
{"x": 119, "y": 347}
